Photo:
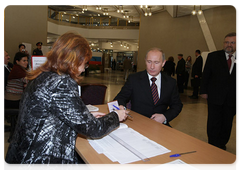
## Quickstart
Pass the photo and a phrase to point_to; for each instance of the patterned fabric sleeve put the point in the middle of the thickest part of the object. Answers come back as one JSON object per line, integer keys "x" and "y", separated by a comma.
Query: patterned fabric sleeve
{"x": 69, "y": 108}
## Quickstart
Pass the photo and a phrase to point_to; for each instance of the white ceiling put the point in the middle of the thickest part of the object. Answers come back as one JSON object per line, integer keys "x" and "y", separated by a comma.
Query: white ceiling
{"x": 131, "y": 10}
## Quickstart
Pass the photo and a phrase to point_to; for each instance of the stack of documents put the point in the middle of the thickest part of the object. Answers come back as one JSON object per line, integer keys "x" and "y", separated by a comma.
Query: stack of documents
{"x": 125, "y": 145}
{"x": 92, "y": 108}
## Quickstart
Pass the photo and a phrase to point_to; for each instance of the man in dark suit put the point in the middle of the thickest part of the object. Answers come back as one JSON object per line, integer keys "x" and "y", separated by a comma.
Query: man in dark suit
{"x": 196, "y": 74}
{"x": 180, "y": 71}
{"x": 7, "y": 67}
{"x": 164, "y": 104}
{"x": 219, "y": 88}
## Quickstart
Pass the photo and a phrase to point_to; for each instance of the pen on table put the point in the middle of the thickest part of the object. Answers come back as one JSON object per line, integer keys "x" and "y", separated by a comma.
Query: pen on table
{"x": 119, "y": 109}
{"x": 179, "y": 154}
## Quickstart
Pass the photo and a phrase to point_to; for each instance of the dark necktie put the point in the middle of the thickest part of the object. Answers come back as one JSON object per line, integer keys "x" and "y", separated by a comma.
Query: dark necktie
{"x": 9, "y": 68}
{"x": 229, "y": 61}
{"x": 154, "y": 91}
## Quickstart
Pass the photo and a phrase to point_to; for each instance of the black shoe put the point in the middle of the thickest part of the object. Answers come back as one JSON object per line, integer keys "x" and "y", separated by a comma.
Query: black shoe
{"x": 223, "y": 147}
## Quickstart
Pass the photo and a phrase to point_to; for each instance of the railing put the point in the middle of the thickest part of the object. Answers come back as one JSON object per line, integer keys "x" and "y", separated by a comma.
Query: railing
{"x": 94, "y": 22}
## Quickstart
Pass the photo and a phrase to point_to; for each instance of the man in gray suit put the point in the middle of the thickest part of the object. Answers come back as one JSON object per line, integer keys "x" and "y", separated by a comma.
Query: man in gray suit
{"x": 138, "y": 90}
{"x": 219, "y": 88}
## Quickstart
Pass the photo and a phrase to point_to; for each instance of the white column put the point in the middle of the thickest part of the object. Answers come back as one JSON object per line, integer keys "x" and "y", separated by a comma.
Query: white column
{"x": 206, "y": 32}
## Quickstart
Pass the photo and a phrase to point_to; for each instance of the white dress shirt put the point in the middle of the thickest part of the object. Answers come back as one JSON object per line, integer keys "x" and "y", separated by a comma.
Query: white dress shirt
{"x": 7, "y": 67}
{"x": 157, "y": 82}
{"x": 233, "y": 58}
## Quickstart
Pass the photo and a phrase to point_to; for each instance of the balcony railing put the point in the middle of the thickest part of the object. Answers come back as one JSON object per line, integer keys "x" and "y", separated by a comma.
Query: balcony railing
{"x": 94, "y": 22}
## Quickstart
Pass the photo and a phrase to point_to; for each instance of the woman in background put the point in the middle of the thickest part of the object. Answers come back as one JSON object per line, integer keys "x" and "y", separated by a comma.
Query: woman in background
{"x": 51, "y": 111}
{"x": 188, "y": 67}
{"x": 16, "y": 81}
{"x": 169, "y": 67}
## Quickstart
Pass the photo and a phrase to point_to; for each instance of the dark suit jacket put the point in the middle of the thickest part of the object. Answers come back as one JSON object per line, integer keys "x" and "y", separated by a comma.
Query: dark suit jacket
{"x": 137, "y": 90}
{"x": 197, "y": 67}
{"x": 181, "y": 67}
{"x": 217, "y": 82}
{"x": 4, "y": 73}
{"x": 37, "y": 52}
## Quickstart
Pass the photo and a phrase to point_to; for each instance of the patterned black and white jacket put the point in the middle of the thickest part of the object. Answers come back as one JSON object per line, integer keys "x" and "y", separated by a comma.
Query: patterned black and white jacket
{"x": 51, "y": 115}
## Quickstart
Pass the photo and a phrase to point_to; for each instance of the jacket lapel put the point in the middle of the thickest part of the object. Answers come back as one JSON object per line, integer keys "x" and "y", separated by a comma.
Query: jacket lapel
{"x": 163, "y": 85}
{"x": 144, "y": 82}
{"x": 235, "y": 64}
{"x": 224, "y": 61}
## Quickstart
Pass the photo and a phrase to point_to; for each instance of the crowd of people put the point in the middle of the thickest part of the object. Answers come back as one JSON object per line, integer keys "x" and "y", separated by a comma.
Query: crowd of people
{"x": 51, "y": 113}
{"x": 183, "y": 69}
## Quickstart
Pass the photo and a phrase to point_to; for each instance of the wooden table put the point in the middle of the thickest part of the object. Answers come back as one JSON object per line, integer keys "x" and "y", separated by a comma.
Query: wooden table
{"x": 170, "y": 138}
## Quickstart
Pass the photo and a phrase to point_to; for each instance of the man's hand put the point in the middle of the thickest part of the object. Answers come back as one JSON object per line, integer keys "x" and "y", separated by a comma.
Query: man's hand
{"x": 158, "y": 117}
{"x": 121, "y": 107}
{"x": 205, "y": 96}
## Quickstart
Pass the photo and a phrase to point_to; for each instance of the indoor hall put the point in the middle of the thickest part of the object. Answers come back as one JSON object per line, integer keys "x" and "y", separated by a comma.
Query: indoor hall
{"x": 192, "y": 120}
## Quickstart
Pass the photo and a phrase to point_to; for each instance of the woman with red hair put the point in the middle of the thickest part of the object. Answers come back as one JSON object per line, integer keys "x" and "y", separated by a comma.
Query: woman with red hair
{"x": 52, "y": 113}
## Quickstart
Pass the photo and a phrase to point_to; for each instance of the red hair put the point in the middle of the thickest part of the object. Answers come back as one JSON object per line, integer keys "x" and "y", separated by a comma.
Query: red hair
{"x": 67, "y": 54}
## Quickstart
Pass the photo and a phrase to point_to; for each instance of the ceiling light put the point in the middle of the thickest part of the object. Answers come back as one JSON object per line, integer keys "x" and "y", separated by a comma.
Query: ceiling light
{"x": 150, "y": 13}
{"x": 141, "y": 6}
{"x": 98, "y": 8}
{"x": 194, "y": 12}
{"x": 122, "y": 9}
{"x": 146, "y": 13}
{"x": 200, "y": 11}
{"x": 146, "y": 6}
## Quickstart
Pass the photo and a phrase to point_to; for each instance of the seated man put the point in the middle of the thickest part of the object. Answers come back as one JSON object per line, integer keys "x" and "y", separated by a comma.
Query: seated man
{"x": 151, "y": 93}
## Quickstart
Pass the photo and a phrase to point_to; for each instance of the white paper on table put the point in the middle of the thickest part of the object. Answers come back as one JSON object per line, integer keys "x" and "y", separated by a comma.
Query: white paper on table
{"x": 115, "y": 151}
{"x": 141, "y": 143}
{"x": 92, "y": 108}
{"x": 176, "y": 164}
{"x": 112, "y": 104}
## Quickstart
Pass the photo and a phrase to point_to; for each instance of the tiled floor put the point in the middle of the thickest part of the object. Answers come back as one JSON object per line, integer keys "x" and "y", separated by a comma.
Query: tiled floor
{"x": 192, "y": 120}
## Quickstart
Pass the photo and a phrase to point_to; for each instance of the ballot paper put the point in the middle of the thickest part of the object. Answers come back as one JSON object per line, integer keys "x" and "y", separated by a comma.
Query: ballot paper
{"x": 125, "y": 145}
{"x": 92, "y": 108}
{"x": 176, "y": 164}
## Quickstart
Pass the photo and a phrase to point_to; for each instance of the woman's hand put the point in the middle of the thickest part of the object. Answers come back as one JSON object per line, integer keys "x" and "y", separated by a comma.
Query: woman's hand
{"x": 98, "y": 114}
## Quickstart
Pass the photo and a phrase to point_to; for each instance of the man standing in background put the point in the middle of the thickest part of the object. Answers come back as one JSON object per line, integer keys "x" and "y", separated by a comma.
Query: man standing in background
{"x": 127, "y": 66}
{"x": 38, "y": 50}
{"x": 219, "y": 88}
{"x": 7, "y": 68}
{"x": 196, "y": 74}
{"x": 180, "y": 71}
